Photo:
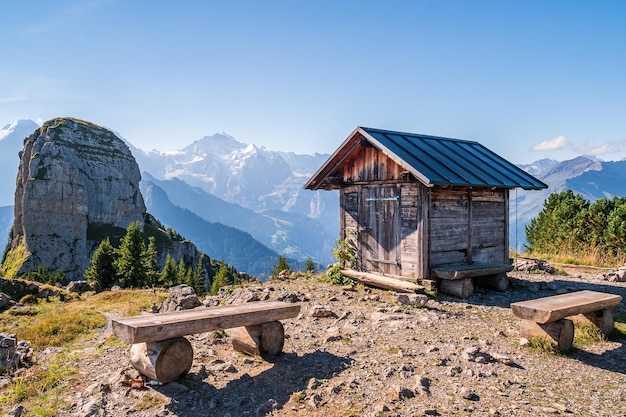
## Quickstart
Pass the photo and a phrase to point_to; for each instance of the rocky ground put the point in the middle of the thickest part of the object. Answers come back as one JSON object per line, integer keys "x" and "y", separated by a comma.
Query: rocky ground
{"x": 361, "y": 353}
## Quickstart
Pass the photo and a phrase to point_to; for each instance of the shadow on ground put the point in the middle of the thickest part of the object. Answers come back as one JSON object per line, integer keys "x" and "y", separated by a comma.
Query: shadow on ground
{"x": 252, "y": 395}
{"x": 613, "y": 360}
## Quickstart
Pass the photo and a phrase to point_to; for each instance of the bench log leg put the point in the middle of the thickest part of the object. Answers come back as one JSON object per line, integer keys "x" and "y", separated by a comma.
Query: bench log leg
{"x": 560, "y": 333}
{"x": 603, "y": 319}
{"x": 461, "y": 288}
{"x": 162, "y": 361}
{"x": 265, "y": 340}
{"x": 498, "y": 282}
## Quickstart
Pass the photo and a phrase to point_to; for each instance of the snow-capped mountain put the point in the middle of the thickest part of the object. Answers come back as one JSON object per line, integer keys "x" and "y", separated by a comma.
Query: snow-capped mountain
{"x": 11, "y": 143}
{"x": 269, "y": 184}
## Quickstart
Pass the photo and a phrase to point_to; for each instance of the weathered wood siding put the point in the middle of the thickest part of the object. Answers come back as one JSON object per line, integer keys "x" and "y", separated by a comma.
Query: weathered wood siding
{"x": 370, "y": 165}
{"x": 468, "y": 226}
{"x": 449, "y": 220}
{"x": 414, "y": 230}
{"x": 489, "y": 226}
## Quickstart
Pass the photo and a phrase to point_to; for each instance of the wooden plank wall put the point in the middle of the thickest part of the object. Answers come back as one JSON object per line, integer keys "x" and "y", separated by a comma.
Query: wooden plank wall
{"x": 371, "y": 165}
{"x": 449, "y": 220}
{"x": 414, "y": 248}
{"x": 468, "y": 226}
{"x": 489, "y": 226}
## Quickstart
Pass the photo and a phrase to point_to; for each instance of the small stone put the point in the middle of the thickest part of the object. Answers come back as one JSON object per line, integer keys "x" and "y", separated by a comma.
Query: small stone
{"x": 314, "y": 400}
{"x": 314, "y": 383}
{"x": 468, "y": 394}
{"x": 523, "y": 341}
{"x": 405, "y": 393}
{"x": 419, "y": 300}
{"x": 321, "y": 311}
{"x": 17, "y": 411}
{"x": 560, "y": 407}
{"x": 498, "y": 357}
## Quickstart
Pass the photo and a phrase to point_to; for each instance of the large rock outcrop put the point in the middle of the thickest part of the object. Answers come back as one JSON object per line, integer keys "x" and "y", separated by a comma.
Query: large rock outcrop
{"x": 74, "y": 179}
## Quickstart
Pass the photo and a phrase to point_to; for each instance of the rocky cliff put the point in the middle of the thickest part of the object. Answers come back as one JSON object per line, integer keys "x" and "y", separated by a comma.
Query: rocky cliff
{"x": 74, "y": 177}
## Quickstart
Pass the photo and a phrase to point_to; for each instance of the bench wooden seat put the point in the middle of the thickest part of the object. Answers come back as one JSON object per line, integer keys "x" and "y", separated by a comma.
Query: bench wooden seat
{"x": 160, "y": 351}
{"x": 459, "y": 280}
{"x": 161, "y": 326}
{"x": 551, "y": 317}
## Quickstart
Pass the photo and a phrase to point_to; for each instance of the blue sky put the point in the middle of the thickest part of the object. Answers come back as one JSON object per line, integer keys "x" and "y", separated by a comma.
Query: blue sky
{"x": 528, "y": 79}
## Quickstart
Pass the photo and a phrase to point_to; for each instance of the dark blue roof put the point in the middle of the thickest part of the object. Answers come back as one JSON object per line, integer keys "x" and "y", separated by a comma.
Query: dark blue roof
{"x": 441, "y": 161}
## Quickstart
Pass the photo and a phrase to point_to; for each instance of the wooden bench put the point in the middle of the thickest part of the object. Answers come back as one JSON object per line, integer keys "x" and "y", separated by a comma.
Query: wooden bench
{"x": 459, "y": 280}
{"x": 160, "y": 351}
{"x": 552, "y": 317}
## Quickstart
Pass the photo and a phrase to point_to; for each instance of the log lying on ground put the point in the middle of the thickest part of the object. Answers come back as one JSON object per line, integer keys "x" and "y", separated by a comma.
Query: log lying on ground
{"x": 560, "y": 333}
{"x": 460, "y": 288}
{"x": 265, "y": 340}
{"x": 162, "y": 361}
{"x": 382, "y": 281}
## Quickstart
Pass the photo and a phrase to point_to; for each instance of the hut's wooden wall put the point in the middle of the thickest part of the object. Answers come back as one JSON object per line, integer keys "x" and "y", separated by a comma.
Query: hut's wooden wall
{"x": 414, "y": 230}
{"x": 370, "y": 165}
{"x": 490, "y": 226}
{"x": 468, "y": 225}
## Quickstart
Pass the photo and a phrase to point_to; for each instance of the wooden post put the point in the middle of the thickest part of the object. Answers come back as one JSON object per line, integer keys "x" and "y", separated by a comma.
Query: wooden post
{"x": 265, "y": 340}
{"x": 560, "y": 333}
{"x": 162, "y": 361}
{"x": 498, "y": 282}
{"x": 461, "y": 288}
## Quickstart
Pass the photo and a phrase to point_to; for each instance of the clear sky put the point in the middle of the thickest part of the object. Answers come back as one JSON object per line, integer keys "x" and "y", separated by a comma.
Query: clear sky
{"x": 528, "y": 79}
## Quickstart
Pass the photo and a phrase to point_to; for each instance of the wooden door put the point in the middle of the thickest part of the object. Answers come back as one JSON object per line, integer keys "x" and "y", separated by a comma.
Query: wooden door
{"x": 379, "y": 237}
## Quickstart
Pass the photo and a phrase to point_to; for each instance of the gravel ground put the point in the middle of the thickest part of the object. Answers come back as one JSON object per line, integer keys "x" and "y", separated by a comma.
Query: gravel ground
{"x": 371, "y": 356}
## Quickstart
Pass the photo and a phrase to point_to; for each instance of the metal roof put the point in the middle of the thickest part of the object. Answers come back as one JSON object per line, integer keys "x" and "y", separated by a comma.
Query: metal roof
{"x": 434, "y": 160}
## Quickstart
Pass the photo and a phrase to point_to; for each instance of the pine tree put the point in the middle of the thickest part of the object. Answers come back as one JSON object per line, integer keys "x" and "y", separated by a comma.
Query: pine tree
{"x": 181, "y": 272}
{"x": 130, "y": 266}
{"x": 151, "y": 263}
{"x": 169, "y": 273}
{"x": 283, "y": 265}
{"x": 101, "y": 272}
{"x": 199, "y": 277}
{"x": 220, "y": 279}
{"x": 309, "y": 266}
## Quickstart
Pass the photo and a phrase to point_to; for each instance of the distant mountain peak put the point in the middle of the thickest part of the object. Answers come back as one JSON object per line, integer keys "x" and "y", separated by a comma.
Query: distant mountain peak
{"x": 221, "y": 144}
{"x": 19, "y": 127}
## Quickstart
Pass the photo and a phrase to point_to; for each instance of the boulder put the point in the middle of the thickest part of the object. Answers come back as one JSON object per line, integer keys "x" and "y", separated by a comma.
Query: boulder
{"x": 79, "y": 287}
{"x": 180, "y": 297}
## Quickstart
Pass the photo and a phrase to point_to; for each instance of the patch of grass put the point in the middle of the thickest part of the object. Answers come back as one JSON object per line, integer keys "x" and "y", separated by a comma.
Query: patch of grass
{"x": 127, "y": 302}
{"x": 585, "y": 335}
{"x": 541, "y": 345}
{"x": 40, "y": 389}
{"x": 346, "y": 340}
{"x": 150, "y": 401}
{"x": 619, "y": 333}
{"x": 298, "y": 397}
{"x": 14, "y": 260}
{"x": 59, "y": 324}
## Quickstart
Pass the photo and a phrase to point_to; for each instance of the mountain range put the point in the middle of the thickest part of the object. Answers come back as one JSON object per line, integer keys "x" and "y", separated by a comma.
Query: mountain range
{"x": 246, "y": 204}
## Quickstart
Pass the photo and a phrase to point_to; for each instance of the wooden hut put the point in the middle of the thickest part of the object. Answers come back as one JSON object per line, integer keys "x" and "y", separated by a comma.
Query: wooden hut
{"x": 424, "y": 208}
